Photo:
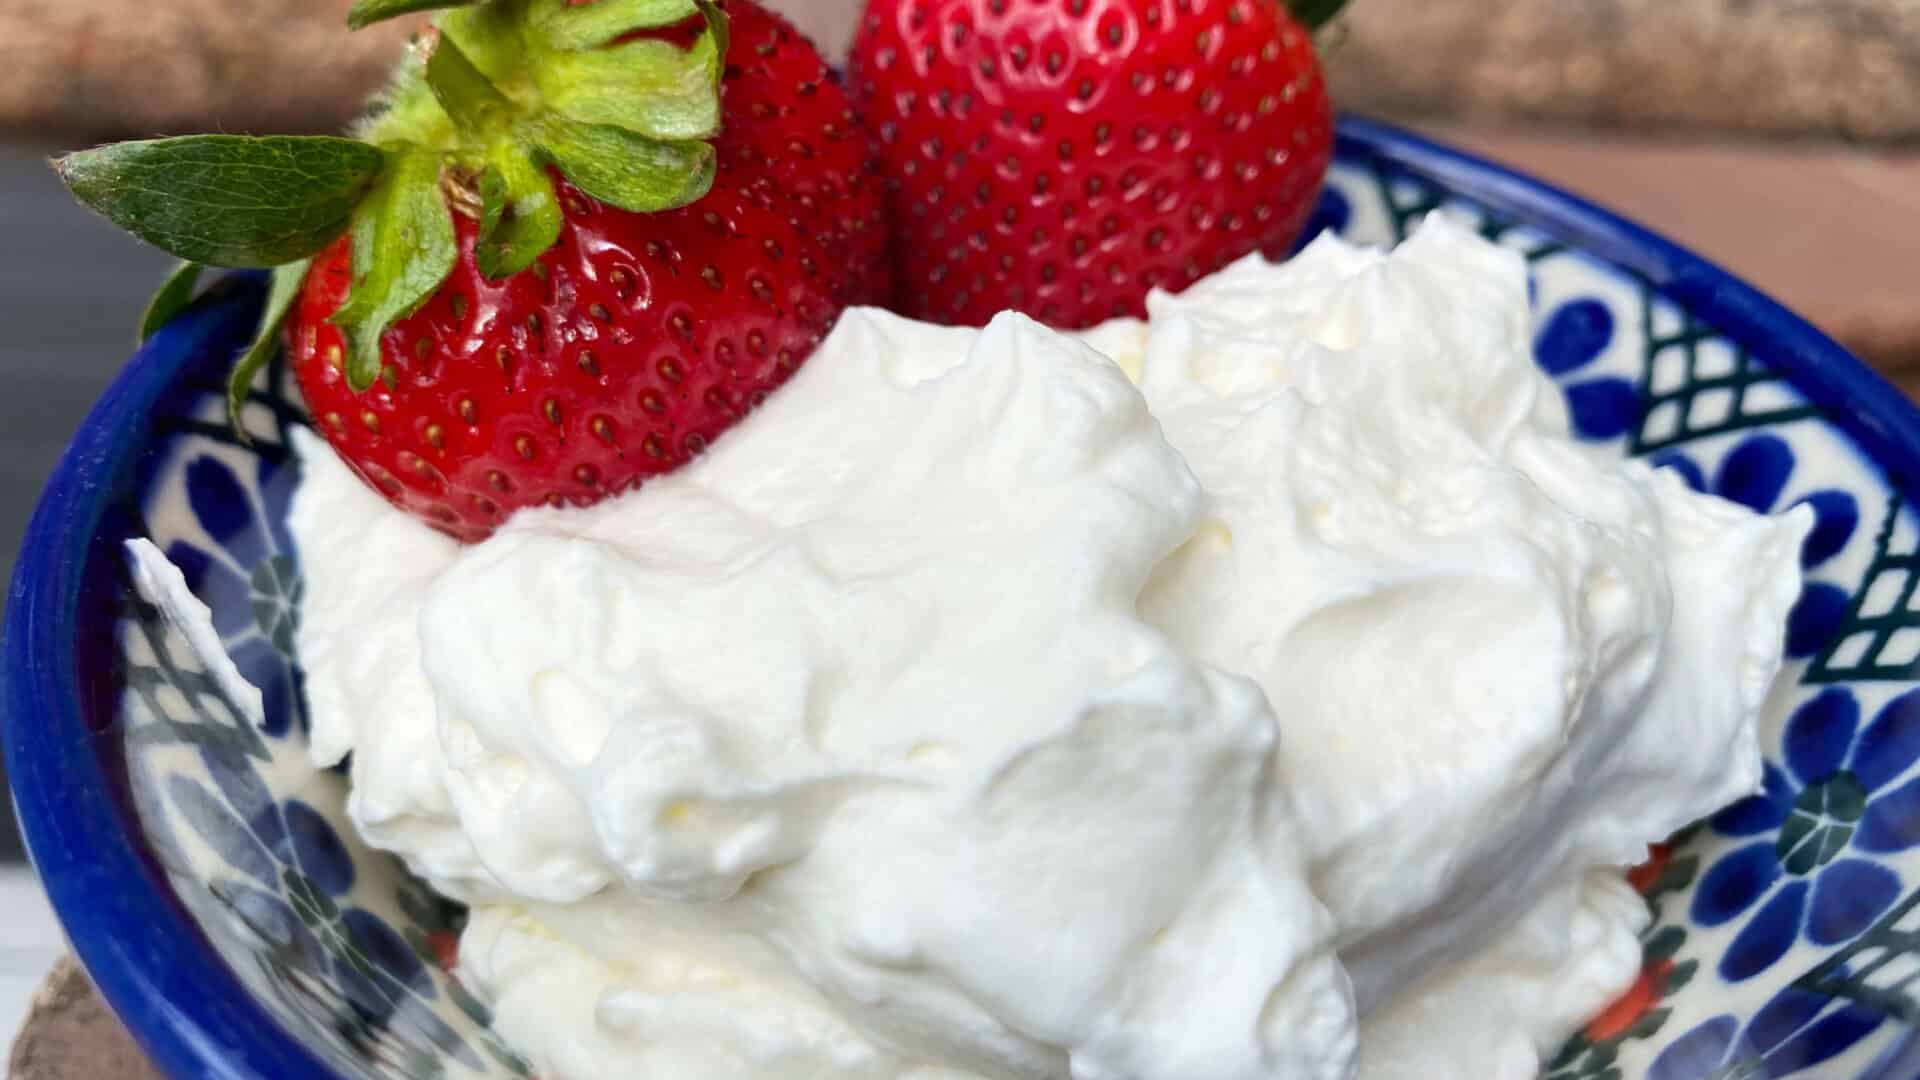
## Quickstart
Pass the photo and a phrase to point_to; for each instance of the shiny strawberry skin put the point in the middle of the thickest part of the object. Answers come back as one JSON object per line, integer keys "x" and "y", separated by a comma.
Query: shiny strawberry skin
{"x": 1062, "y": 157}
{"x": 632, "y": 345}
{"x": 791, "y": 128}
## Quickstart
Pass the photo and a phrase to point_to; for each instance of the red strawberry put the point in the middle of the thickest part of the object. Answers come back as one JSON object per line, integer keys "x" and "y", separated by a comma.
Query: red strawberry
{"x": 628, "y": 348}
{"x": 533, "y": 279}
{"x": 791, "y": 129}
{"x": 1062, "y": 157}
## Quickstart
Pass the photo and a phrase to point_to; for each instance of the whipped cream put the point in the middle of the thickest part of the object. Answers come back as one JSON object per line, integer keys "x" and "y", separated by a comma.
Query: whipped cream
{"x": 801, "y": 725}
{"x": 1499, "y": 660}
{"x": 970, "y": 713}
{"x": 160, "y": 583}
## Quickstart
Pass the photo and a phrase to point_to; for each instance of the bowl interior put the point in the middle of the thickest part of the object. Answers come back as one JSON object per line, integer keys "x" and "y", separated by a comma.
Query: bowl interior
{"x": 267, "y": 940}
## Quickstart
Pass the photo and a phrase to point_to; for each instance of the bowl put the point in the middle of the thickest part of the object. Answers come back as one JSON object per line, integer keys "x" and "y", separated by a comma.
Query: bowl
{"x": 209, "y": 881}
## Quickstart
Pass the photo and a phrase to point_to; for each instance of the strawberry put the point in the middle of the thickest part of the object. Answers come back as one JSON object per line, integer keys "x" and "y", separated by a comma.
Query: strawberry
{"x": 791, "y": 129}
{"x": 630, "y": 345}
{"x": 1063, "y": 157}
{"x": 545, "y": 271}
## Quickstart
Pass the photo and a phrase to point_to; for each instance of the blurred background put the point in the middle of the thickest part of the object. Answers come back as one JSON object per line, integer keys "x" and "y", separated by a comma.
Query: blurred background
{"x": 1781, "y": 137}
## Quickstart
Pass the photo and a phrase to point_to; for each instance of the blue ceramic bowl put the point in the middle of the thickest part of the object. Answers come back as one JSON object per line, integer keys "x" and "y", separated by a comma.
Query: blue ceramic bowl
{"x": 209, "y": 882}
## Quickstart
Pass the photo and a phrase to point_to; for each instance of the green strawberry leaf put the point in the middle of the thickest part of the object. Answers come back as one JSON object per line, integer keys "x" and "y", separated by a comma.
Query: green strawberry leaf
{"x": 281, "y": 294}
{"x": 722, "y": 36}
{"x": 623, "y": 169}
{"x": 466, "y": 94}
{"x": 493, "y": 204}
{"x": 227, "y": 200}
{"x": 560, "y": 24}
{"x": 403, "y": 248}
{"x": 1313, "y": 14}
{"x": 367, "y": 12}
{"x": 520, "y": 215}
{"x": 494, "y": 39}
{"x": 650, "y": 87}
{"x": 171, "y": 299}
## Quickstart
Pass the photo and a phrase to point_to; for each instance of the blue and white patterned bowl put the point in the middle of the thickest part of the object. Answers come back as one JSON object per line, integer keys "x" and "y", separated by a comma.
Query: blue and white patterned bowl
{"x": 209, "y": 882}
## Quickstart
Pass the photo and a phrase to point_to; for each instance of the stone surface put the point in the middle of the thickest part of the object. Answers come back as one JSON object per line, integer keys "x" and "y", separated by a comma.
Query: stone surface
{"x": 78, "y": 70}
{"x": 70, "y": 1035}
{"x": 72, "y": 69}
{"x": 1795, "y": 67}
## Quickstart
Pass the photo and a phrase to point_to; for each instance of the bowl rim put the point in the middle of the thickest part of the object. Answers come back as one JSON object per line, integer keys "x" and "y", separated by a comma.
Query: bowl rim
{"x": 189, "y": 1011}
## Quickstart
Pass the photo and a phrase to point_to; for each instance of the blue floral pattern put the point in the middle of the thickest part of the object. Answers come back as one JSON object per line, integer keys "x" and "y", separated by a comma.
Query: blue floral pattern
{"x": 1794, "y": 1032}
{"x": 1773, "y": 924}
{"x": 1572, "y": 337}
{"x": 248, "y": 577}
{"x": 1827, "y": 816}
